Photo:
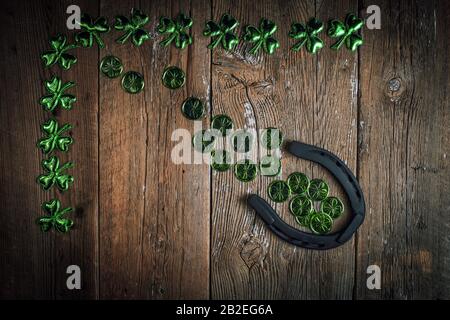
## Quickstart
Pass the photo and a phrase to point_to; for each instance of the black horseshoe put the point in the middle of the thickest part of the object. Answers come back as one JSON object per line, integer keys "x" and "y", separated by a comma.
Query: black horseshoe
{"x": 348, "y": 182}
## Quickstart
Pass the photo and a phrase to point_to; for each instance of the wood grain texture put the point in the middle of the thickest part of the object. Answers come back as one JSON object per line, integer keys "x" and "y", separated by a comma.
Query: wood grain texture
{"x": 35, "y": 263}
{"x": 153, "y": 212}
{"x": 403, "y": 147}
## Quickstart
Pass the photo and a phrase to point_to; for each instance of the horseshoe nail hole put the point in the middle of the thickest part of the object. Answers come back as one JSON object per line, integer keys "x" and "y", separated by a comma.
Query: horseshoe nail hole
{"x": 394, "y": 84}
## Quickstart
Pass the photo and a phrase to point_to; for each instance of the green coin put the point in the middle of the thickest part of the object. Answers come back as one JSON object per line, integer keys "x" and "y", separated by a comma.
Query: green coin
{"x": 270, "y": 166}
{"x": 332, "y": 206}
{"x": 223, "y": 123}
{"x": 173, "y": 77}
{"x": 320, "y": 223}
{"x": 271, "y": 138}
{"x": 299, "y": 183}
{"x": 304, "y": 220}
{"x": 242, "y": 141}
{"x": 279, "y": 191}
{"x": 203, "y": 141}
{"x": 245, "y": 170}
{"x": 193, "y": 108}
{"x": 111, "y": 66}
{"x": 221, "y": 160}
{"x": 300, "y": 206}
{"x": 318, "y": 190}
{"x": 133, "y": 82}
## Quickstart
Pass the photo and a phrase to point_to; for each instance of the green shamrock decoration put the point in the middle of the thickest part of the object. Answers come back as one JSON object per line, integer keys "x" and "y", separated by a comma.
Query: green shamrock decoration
{"x": 55, "y": 217}
{"x": 176, "y": 30}
{"x": 57, "y": 96}
{"x": 262, "y": 37}
{"x": 347, "y": 32}
{"x": 58, "y": 53}
{"x": 222, "y": 32}
{"x": 91, "y": 30}
{"x": 307, "y": 34}
{"x": 55, "y": 174}
{"x": 53, "y": 139}
{"x": 133, "y": 27}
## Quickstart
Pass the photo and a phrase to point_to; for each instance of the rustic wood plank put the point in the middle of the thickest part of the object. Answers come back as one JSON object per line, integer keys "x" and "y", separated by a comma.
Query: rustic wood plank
{"x": 404, "y": 147}
{"x": 176, "y": 231}
{"x": 154, "y": 212}
{"x": 35, "y": 263}
{"x": 122, "y": 126}
{"x": 288, "y": 91}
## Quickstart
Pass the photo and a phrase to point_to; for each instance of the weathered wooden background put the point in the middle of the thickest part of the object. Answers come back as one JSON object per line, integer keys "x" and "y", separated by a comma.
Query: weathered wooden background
{"x": 147, "y": 228}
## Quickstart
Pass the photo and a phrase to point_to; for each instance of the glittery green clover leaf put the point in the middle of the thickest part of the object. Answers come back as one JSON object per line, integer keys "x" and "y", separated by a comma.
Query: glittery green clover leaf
{"x": 318, "y": 190}
{"x": 332, "y": 206}
{"x": 279, "y": 191}
{"x": 55, "y": 174}
{"x": 224, "y": 32}
{"x": 55, "y": 217}
{"x": 53, "y": 137}
{"x": 56, "y": 95}
{"x": 320, "y": 223}
{"x": 176, "y": 30}
{"x": 132, "y": 27}
{"x": 307, "y": 35}
{"x": 58, "y": 53}
{"x": 300, "y": 206}
{"x": 245, "y": 170}
{"x": 91, "y": 30}
{"x": 299, "y": 183}
{"x": 346, "y": 32}
{"x": 262, "y": 37}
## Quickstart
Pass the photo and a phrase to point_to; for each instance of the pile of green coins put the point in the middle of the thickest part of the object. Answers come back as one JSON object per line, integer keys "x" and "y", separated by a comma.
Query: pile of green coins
{"x": 305, "y": 193}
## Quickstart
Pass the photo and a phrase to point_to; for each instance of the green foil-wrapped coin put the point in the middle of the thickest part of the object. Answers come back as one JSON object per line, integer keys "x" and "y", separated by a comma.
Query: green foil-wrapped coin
{"x": 318, "y": 190}
{"x": 304, "y": 220}
{"x": 332, "y": 206}
{"x": 271, "y": 138}
{"x": 173, "y": 77}
{"x": 245, "y": 170}
{"x": 111, "y": 67}
{"x": 193, "y": 108}
{"x": 299, "y": 183}
{"x": 203, "y": 141}
{"x": 242, "y": 141}
{"x": 320, "y": 223}
{"x": 223, "y": 123}
{"x": 300, "y": 206}
{"x": 270, "y": 166}
{"x": 133, "y": 82}
{"x": 279, "y": 191}
{"x": 220, "y": 160}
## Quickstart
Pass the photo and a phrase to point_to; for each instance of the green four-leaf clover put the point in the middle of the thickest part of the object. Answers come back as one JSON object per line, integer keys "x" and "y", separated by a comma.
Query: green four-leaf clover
{"x": 133, "y": 27}
{"x": 346, "y": 32}
{"x": 222, "y": 32}
{"x": 91, "y": 30}
{"x": 57, "y": 95}
{"x": 307, "y": 35}
{"x": 55, "y": 174}
{"x": 53, "y": 137}
{"x": 55, "y": 217}
{"x": 176, "y": 30}
{"x": 58, "y": 53}
{"x": 262, "y": 37}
